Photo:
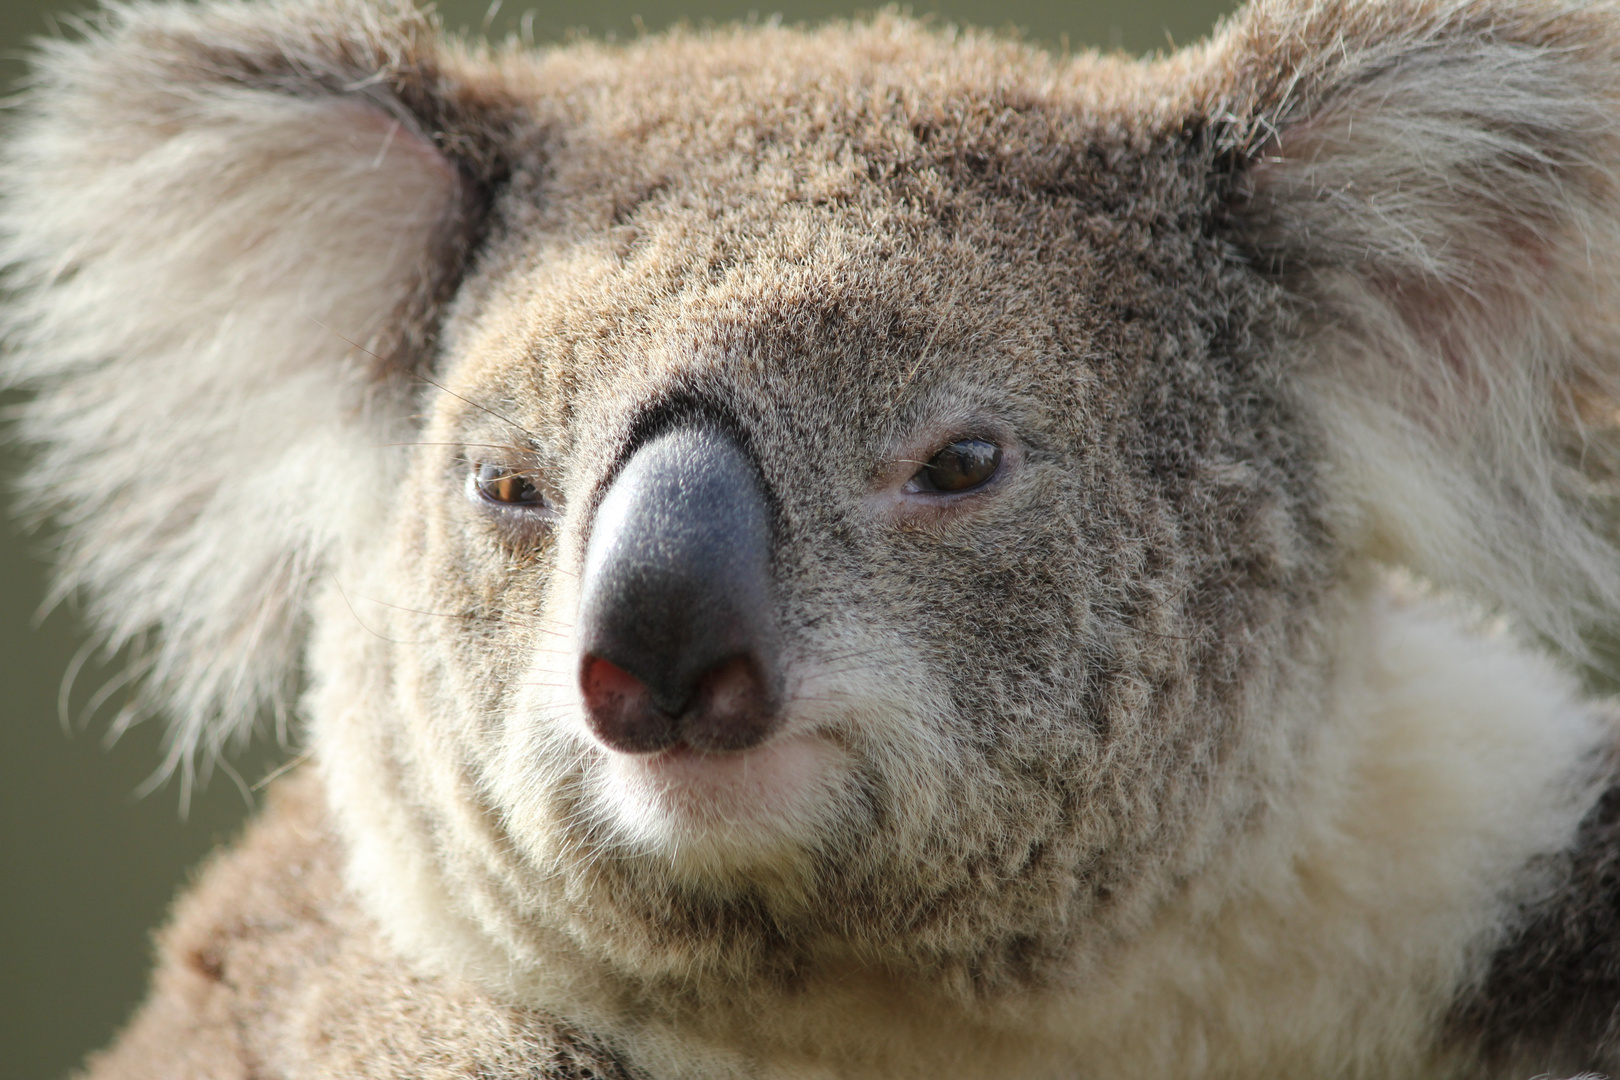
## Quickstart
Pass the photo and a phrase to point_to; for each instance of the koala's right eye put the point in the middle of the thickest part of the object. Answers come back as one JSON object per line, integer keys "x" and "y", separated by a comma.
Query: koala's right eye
{"x": 507, "y": 486}
{"x": 516, "y": 498}
{"x": 965, "y": 465}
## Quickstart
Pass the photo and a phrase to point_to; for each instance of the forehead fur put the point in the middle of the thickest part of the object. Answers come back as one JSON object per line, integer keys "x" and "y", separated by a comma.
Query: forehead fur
{"x": 906, "y": 208}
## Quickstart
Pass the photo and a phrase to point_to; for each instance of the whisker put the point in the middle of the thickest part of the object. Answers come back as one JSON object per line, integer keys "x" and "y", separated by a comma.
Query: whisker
{"x": 535, "y": 622}
{"x": 362, "y": 623}
{"x": 482, "y": 445}
{"x": 481, "y": 408}
{"x": 418, "y": 375}
{"x": 283, "y": 769}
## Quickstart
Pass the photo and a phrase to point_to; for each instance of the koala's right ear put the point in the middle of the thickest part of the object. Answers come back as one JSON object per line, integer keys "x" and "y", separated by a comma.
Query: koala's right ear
{"x": 228, "y": 231}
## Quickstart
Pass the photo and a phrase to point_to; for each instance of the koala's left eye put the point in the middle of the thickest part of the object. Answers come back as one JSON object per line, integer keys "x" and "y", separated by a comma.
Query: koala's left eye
{"x": 962, "y": 466}
{"x": 507, "y": 487}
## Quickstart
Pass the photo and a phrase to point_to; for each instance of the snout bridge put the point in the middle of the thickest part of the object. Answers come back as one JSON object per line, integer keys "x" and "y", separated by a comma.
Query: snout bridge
{"x": 676, "y": 617}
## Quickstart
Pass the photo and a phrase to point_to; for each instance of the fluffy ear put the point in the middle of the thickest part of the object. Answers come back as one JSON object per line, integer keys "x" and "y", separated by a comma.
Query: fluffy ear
{"x": 1437, "y": 187}
{"x": 229, "y": 229}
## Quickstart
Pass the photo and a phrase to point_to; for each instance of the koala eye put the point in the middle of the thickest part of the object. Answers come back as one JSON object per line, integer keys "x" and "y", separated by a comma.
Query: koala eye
{"x": 507, "y": 487}
{"x": 962, "y": 466}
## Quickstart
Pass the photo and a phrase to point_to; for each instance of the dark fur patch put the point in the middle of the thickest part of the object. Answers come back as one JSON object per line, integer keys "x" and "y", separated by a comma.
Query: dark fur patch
{"x": 571, "y": 1055}
{"x": 1550, "y": 1001}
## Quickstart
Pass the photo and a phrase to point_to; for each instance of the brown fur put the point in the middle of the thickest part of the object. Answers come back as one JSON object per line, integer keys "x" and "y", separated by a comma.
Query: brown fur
{"x": 233, "y": 995}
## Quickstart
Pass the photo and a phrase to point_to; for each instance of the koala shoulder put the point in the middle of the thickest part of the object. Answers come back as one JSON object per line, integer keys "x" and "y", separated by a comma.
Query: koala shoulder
{"x": 269, "y": 969}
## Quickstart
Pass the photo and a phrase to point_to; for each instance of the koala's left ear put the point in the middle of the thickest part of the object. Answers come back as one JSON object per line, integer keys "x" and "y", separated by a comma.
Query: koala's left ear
{"x": 1435, "y": 186}
{"x": 229, "y": 231}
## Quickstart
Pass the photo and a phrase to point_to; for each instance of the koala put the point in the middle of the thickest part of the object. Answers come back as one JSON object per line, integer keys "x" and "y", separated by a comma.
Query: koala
{"x": 871, "y": 551}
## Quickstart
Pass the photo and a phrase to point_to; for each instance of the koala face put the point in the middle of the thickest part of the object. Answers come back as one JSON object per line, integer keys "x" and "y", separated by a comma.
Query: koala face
{"x": 995, "y": 546}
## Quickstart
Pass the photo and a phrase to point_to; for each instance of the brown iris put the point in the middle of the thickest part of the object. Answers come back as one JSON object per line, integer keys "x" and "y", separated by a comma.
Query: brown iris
{"x": 961, "y": 466}
{"x": 500, "y": 484}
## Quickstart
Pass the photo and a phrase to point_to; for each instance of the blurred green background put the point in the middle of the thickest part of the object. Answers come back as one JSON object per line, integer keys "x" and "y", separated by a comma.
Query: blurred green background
{"x": 87, "y": 868}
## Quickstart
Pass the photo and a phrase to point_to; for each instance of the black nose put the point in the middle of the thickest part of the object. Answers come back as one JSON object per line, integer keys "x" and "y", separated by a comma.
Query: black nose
{"x": 675, "y": 617}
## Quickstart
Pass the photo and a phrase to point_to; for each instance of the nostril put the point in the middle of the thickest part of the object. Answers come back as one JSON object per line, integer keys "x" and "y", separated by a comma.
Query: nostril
{"x": 731, "y": 710}
{"x": 621, "y": 711}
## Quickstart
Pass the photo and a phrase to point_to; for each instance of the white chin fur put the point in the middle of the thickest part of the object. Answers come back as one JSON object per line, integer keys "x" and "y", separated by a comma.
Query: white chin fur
{"x": 715, "y": 812}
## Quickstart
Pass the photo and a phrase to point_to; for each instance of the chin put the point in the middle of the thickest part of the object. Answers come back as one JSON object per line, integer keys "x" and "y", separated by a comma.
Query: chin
{"x": 711, "y": 815}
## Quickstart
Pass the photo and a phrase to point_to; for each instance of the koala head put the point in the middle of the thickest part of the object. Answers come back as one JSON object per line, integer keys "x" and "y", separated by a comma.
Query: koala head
{"x": 764, "y": 501}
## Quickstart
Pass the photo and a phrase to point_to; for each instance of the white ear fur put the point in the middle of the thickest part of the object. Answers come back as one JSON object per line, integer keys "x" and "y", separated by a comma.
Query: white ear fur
{"x": 1438, "y": 184}
{"x": 216, "y": 219}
